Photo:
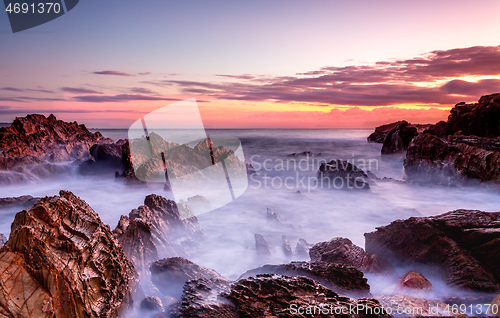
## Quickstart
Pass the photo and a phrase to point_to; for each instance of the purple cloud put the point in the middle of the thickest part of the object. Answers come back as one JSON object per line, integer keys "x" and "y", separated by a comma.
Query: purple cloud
{"x": 119, "y": 98}
{"x": 113, "y": 73}
{"x": 14, "y": 89}
{"x": 76, "y": 90}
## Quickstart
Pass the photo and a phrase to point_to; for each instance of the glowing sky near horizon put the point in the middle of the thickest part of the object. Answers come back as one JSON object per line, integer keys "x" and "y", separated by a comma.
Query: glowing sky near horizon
{"x": 284, "y": 64}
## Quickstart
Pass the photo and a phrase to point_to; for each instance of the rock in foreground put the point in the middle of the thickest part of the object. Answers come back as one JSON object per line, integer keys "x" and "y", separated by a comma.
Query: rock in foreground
{"x": 340, "y": 174}
{"x": 464, "y": 244}
{"x": 281, "y": 296}
{"x": 341, "y": 250}
{"x": 340, "y": 278}
{"x": 62, "y": 261}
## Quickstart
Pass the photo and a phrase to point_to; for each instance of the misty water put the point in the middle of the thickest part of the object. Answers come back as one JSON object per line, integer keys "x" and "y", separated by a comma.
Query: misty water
{"x": 313, "y": 214}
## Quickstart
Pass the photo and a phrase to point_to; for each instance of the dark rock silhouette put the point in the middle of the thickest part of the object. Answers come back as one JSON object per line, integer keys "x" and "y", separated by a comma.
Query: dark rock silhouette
{"x": 398, "y": 139}
{"x": 340, "y": 174}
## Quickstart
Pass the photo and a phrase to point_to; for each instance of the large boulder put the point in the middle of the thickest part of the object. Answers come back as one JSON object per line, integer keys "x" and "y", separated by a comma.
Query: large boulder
{"x": 381, "y": 132}
{"x": 170, "y": 274}
{"x": 62, "y": 261}
{"x": 103, "y": 158}
{"x": 398, "y": 139}
{"x": 272, "y": 295}
{"x": 340, "y": 278}
{"x": 341, "y": 250}
{"x": 159, "y": 228}
{"x": 341, "y": 174}
{"x": 463, "y": 244}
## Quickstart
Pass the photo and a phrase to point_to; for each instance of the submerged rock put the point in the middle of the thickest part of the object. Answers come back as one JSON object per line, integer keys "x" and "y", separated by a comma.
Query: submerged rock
{"x": 463, "y": 244}
{"x": 157, "y": 229}
{"x": 287, "y": 249}
{"x": 341, "y": 250}
{"x": 340, "y": 278}
{"x": 271, "y": 295}
{"x": 169, "y": 275}
{"x": 340, "y": 174}
{"x": 62, "y": 261}
{"x": 302, "y": 247}
{"x": 152, "y": 303}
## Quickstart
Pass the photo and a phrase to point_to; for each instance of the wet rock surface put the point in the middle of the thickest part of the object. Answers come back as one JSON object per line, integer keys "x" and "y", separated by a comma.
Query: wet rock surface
{"x": 341, "y": 250}
{"x": 169, "y": 275}
{"x": 157, "y": 229}
{"x": 341, "y": 174}
{"x": 271, "y": 295}
{"x": 62, "y": 261}
{"x": 152, "y": 303}
{"x": 413, "y": 282}
{"x": 463, "y": 244}
{"x": 341, "y": 278}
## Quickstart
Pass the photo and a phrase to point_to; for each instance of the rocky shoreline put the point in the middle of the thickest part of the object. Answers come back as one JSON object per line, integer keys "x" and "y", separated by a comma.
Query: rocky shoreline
{"x": 465, "y": 149}
{"x": 60, "y": 258}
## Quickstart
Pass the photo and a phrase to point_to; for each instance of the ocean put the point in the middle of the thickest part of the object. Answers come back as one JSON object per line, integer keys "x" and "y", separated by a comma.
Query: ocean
{"x": 314, "y": 214}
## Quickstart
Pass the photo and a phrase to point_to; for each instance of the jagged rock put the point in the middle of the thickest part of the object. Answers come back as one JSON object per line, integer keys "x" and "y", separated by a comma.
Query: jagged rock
{"x": 273, "y": 216}
{"x": 169, "y": 275}
{"x": 156, "y": 230}
{"x": 340, "y": 278}
{"x": 440, "y": 129}
{"x": 464, "y": 244}
{"x": 204, "y": 298}
{"x": 62, "y": 261}
{"x": 415, "y": 307}
{"x": 3, "y": 240}
{"x": 38, "y": 141}
{"x": 287, "y": 249}
{"x": 339, "y": 174}
{"x": 413, "y": 282}
{"x": 398, "y": 139}
{"x": 341, "y": 250}
{"x": 273, "y": 295}
{"x": 152, "y": 303}
{"x": 302, "y": 247}
{"x": 262, "y": 245}
{"x": 304, "y": 154}
{"x": 25, "y": 200}
{"x": 381, "y": 132}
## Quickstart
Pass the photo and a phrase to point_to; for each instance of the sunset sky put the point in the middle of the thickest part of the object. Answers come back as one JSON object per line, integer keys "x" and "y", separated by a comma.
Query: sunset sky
{"x": 254, "y": 64}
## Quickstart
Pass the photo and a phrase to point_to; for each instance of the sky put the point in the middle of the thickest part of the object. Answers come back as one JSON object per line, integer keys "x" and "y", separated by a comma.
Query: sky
{"x": 254, "y": 64}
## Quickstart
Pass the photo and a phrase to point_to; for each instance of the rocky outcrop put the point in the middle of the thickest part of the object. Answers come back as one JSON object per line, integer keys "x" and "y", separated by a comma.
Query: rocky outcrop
{"x": 159, "y": 228}
{"x": 430, "y": 159}
{"x": 340, "y": 174}
{"x": 271, "y": 295}
{"x": 62, "y": 261}
{"x": 340, "y": 278}
{"x": 169, "y": 275}
{"x": 398, "y": 139}
{"x": 152, "y": 303}
{"x": 103, "y": 158}
{"x": 204, "y": 298}
{"x": 302, "y": 247}
{"x": 381, "y": 132}
{"x": 285, "y": 246}
{"x": 31, "y": 146}
{"x": 341, "y": 250}
{"x": 463, "y": 244}
{"x": 24, "y": 201}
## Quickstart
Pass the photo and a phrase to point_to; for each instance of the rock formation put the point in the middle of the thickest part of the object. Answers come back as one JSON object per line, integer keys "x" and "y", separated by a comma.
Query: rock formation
{"x": 25, "y": 201}
{"x": 340, "y": 278}
{"x": 339, "y": 174}
{"x": 463, "y": 244}
{"x": 156, "y": 230}
{"x": 398, "y": 139}
{"x": 169, "y": 275}
{"x": 62, "y": 261}
{"x": 32, "y": 144}
{"x": 272, "y": 295}
{"x": 414, "y": 282}
{"x": 341, "y": 250}
{"x": 261, "y": 245}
